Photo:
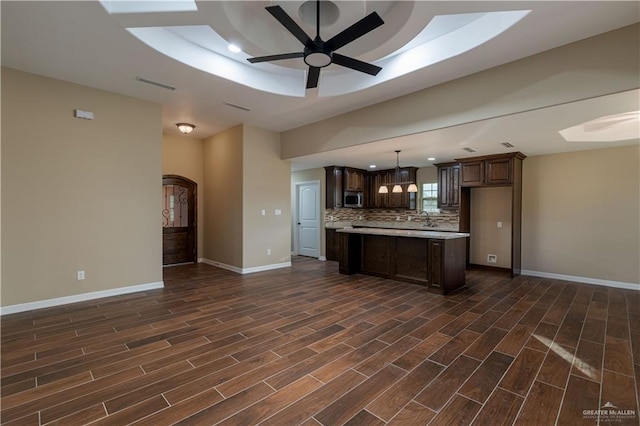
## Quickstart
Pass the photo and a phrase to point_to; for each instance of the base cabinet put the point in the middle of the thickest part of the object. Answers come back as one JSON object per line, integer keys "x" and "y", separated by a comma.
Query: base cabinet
{"x": 438, "y": 264}
{"x": 332, "y": 245}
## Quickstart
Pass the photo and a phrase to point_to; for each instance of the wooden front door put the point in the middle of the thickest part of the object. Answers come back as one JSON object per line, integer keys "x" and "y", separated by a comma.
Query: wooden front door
{"x": 178, "y": 220}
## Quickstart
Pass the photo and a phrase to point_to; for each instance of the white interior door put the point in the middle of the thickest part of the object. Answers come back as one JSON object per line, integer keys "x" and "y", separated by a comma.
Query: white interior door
{"x": 309, "y": 219}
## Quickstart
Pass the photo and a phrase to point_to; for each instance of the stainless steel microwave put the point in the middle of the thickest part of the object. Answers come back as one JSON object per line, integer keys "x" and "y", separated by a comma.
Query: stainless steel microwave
{"x": 352, "y": 200}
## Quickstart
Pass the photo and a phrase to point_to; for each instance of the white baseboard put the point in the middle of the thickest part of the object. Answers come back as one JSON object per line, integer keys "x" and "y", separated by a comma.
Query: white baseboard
{"x": 246, "y": 270}
{"x": 23, "y": 307}
{"x": 585, "y": 280}
{"x": 323, "y": 258}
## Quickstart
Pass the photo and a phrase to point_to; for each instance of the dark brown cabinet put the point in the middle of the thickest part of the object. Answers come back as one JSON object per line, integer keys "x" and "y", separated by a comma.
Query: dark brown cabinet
{"x": 436, "y": 263}
{"x": 489, "y": 170}
{"x": 333, "y": 184}
{"x": 448, "y": 185}
{"x": 353, "y": 179}
{"x": 402, "y": 200}
{"x": 332, "y": 245}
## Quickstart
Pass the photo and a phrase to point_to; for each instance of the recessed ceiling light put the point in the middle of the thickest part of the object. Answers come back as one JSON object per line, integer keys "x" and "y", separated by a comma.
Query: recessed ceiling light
{"x": 234, "y": 48}
{"x": 431, "y": 158}
{"x": 372, "y": 166}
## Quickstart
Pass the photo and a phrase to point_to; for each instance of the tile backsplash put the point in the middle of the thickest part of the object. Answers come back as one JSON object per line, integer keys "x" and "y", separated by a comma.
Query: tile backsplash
{"x": 443, "y": 218}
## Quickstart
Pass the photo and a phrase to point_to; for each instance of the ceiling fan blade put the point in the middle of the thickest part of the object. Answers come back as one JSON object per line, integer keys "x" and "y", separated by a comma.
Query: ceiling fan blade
{"x": 357, "y": 30}
{"x": 276, "y": 57}
{"x": 289, "y": 24}
{"x": 355, "y": 64}
{"x": 312, "y": 77}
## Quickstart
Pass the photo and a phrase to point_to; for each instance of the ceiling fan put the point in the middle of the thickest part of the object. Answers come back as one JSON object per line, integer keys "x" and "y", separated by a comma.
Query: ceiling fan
{"x": 318, "y": 53}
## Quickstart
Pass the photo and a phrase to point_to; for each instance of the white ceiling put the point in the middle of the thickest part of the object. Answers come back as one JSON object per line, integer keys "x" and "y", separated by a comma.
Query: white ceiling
{"x": 82, "y": 43}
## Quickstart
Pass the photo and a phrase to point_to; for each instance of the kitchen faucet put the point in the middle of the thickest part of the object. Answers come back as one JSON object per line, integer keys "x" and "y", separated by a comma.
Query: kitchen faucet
{"x": 429, "y": 223}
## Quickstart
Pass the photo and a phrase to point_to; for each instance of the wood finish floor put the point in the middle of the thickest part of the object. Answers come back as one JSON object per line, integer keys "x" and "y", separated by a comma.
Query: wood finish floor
{"x": 305, "y": 345}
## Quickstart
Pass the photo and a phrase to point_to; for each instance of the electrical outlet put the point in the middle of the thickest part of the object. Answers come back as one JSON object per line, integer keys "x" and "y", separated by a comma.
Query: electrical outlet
{"x": 499, "y": 224}
{"x": 408, "y": 218}
{"x": 268, "y": 252}
{"x": 492, "y": 258}
{"x": 80, "y": 275}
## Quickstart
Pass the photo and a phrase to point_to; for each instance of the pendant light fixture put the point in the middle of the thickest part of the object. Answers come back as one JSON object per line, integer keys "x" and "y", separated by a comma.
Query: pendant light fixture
{"x": 397, "y": 185}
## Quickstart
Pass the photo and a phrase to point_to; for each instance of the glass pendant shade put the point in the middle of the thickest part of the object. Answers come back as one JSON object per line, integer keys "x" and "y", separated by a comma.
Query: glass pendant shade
{"x": 383, "y": 190}
{"x": 412, "y": 188}
{"x": 396, "y": 188}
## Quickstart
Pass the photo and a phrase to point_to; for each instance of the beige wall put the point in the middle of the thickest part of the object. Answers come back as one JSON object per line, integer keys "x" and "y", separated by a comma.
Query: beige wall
{"x": 488, "y": 206}
{"x": 77, "y": 194}
{"x": 581, "y": 70}
{"x": 581, "y": 214}
{"x": 310, "y": 176}
{"x": 183, "y": 156}
{"x": 222, "y": 192}
{"x": 265, "y": 186}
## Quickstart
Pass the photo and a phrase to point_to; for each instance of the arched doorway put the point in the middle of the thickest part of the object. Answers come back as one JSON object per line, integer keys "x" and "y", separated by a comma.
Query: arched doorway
{"x": 179, "y": 223}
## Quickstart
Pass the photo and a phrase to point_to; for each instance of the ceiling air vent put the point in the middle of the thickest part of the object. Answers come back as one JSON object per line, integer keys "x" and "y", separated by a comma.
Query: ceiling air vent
{"x": 507, "y": 144}
{"x": 155, "y": 83}
{"x": 469, "y": 149}
{"x": 237, "y": 106}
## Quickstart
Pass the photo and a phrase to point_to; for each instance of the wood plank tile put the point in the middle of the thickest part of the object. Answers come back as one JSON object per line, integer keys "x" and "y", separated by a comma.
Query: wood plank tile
{"x": 455, "y": 347}
{"x": 482, "y": 382}
{"x": 581, "y": 394}
{"x": 541, "y": 406}
{"x": 391, "y": 353}
{"x": 222, "y": 327}
{"x": 485, "y": 321}
{"x": 515, "y": 340}
{"x": 304, "y": 367}
{"x": 275, "y": 402}
{"x": 540, "y": 337}
{"x": 617, "y": 356}
{"x": 459, "y": 411}
{"x": 339, "y": 366}
{"x": 618, "y": 327}
{"x": 306, "y": 407}
{"x": 556, "y": 365}
{"x": 348, "y": 405}
{"x": 364, "y": 418}
{"x": 403, "y": 391}
{"x": 485, "y": 344}
{"x": 593, "y": 330}
{"x": 422, "y": 351}
{"x": 412, "y": 414}
{"x": 522, "y": 372}
{"x": 228, "y": 407}
{"x": 617, "y": 389}
{"x": 440, "y": 390}
{"x": 501, "y": 408}
{"x": 588, "y": 360}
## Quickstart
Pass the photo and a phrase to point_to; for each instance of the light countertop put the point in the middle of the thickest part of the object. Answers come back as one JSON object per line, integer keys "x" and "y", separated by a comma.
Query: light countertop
{"x": 413, "y": 233}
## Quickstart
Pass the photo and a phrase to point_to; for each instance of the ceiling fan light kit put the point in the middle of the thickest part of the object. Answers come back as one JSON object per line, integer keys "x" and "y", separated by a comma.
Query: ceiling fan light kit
{"x": 318, "y": 53}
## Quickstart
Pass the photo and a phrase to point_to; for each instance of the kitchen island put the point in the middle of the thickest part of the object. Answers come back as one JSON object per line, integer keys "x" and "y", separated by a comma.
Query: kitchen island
{"x": 431, "y": 258}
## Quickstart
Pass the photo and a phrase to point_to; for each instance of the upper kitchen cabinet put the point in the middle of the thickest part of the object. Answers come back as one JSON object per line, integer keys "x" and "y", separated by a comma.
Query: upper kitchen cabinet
{"x": 448, "y": 185}
{"x": 353, "y": 179}
{"x": 391, "y": 200}
{"x": 334, "y": 187}
{"x": 489, "y": 170}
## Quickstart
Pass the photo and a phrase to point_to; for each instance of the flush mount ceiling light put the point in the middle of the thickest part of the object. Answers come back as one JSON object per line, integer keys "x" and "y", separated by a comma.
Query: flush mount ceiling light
{"x": 397, "y": 184}
{"x": 185, "y": 128}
